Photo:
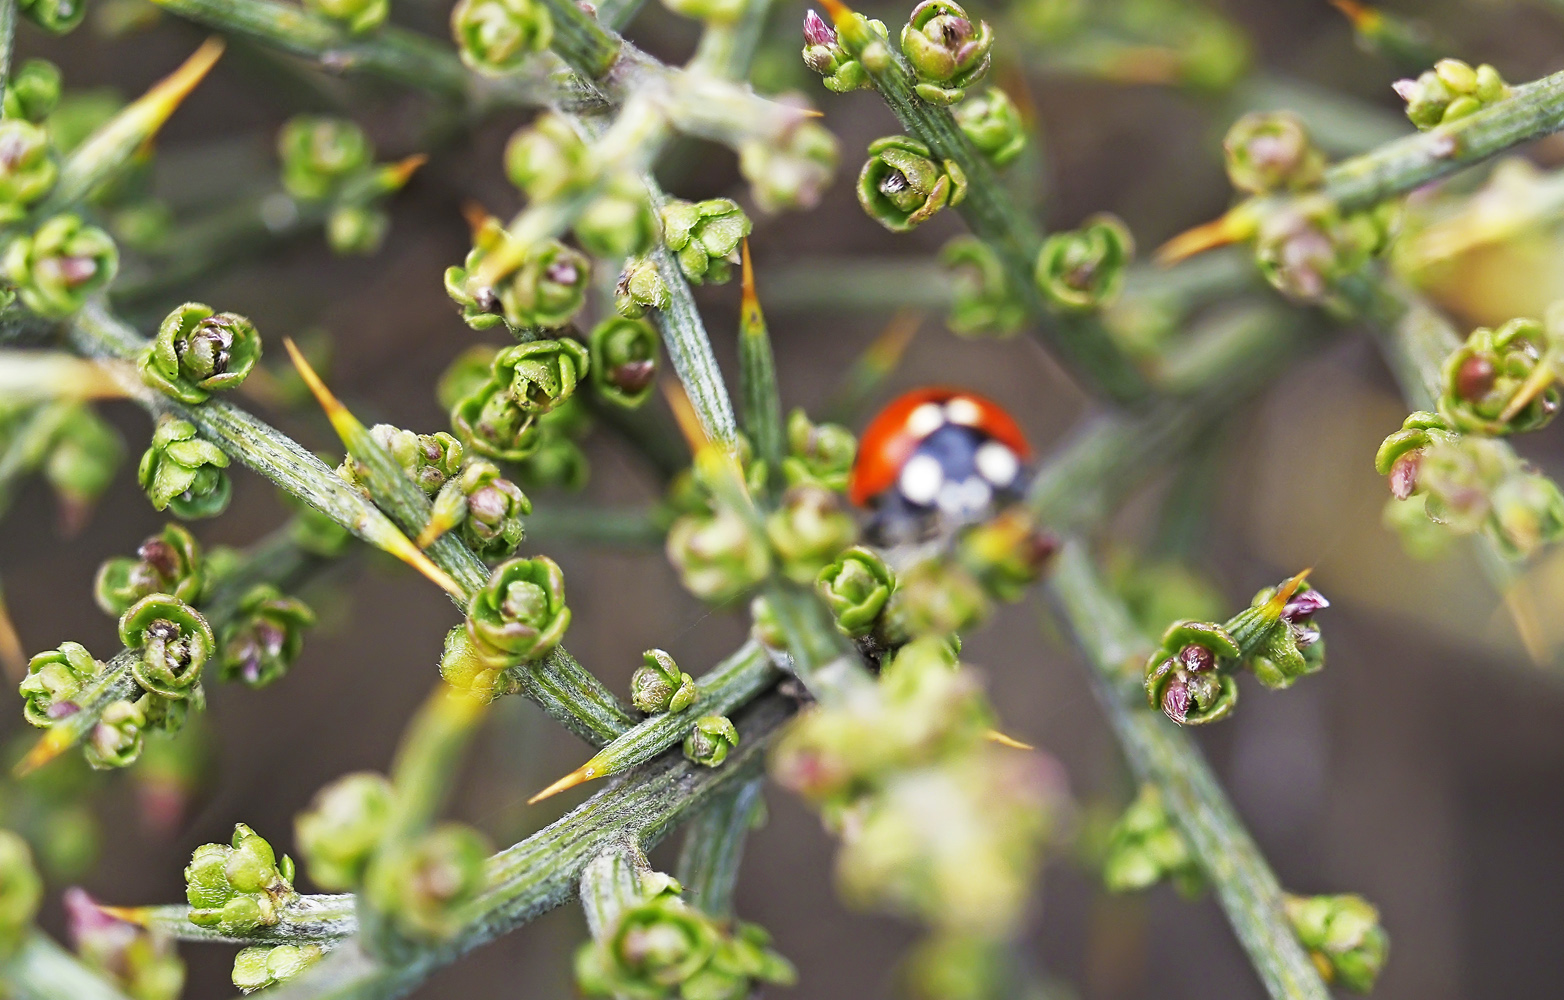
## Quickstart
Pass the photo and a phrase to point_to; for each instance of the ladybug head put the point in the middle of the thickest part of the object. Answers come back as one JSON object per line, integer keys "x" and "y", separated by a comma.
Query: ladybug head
{"x": 936, "y": 459}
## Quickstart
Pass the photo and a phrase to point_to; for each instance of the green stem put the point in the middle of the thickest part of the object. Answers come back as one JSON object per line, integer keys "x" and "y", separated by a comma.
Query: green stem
{"x": 588, "y": 525}
{"x": 42, "y": 970}
{"x": 611, "y": 884}
{"x": 758, "y": 382}
{"x": 7, "y": 42}
{"x": 1162, "y": 754}
{"x": 581, "y": 41}
{"x": 323, "y": 920}
{"x": 714, "y": 847}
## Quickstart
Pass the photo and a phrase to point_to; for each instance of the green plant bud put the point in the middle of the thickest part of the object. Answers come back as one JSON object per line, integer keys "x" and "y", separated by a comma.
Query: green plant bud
{"x": 934, "y": 597}
{"x": 33, "y": 91}
{"x": 116, "y": 739}
{"x": 1483, "y": 375}
{"x": 1528, "y": 512}
{"x": 1288, "y": 645}
{"x": 520, "y": 614}
{"x": 541, "y": 374}
{"x": 238, "y": 887}
{"x": 356, "y": 230}
{"x": 429, "y": 460}
{"x": 639, "y": 288}
{"x": 1084, "y": 270}
{"x": 495, "y": 37}
{"x": 791, "y": 171}
{"x": 1344, "y": 937}
{"x": 824, "y": 54}
{"x": 82, "y": 461}
{"x": 948, "y": 53}
{"x": 1007, "y": 553}
{"x": 142, "y": 963}
{"x": 547, "y": 159}
{"x": 491, "y": 509}
{"x": 320, "y": 154}
{"x": 175, "y": 643}
{"x": 656, "y": 946}
{"x": 490, "y": 423}
{"x": 764, "y": 625}
{"x": 901, "y": 185}
{"x": 198, "y": 352}
{"x": 618, "y": 222}
{"x": 182, "y": 472}
{"x": 60, "y": 265}
{"x": 27, "y": 170}
{"x": 717, "y": 555}
{"x": 339, "y": 832}
{"x": 984, "y": 299}
{"x": 1449, "y": 91}
{"x": 1303, "y": 252}
{"x": 993, "y": 124}
{"x": 360, "y": 16}
{"x": 1185, "y": 677}
{"x": 466, "y": 374}
{"x": 808, "y": 530}
{"x": 548, "y": 289}
{"x": 856, "y": 587}
{"x": 710, "y": 11}
{"x": 624, "y": 360}
{"x": 260, "y": 966}
{"x": 1144, "y": 847}
{"x": 420, "y": 885}
{"x": 54, "y": 16}
{"x": 705, "y": 236}
{"x": 54, "y": 679}
{"x": 263, "y": 640}
{"x": 1271, "y": 151}
{"x": 710, "y": 741}
{"x": 818, "y": 454}
{"x": 658, "y": 685}
{"x": 21, "y": 891}
{"x": 167, "y": 563}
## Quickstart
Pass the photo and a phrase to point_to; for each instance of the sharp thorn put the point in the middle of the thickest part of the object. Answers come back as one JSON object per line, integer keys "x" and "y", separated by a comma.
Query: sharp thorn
{"x": 1206, "y": 236}
{"x": 995, "y": 736}
{"x": 345, "y": 423}
{"x": 586, "y": 772}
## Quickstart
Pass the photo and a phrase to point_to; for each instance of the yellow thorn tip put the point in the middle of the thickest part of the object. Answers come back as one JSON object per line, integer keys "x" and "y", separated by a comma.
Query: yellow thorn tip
{"x": 1206, "y": 236}
{"x": 168, "y": 93}
{"x": 345, "y": 423}
{"x": 138, "y": 915}
{"x": 586, "y": 772}
{"x": 53, "y": 743}
{"x": 995, "y": 736}
{"x": 1536, "y": 384}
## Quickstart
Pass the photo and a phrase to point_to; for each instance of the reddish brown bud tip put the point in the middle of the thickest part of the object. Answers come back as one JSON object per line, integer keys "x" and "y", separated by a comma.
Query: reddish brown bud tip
{"x": 1475, "y": 379}
{"x": 1175, "y": 701}
{"x": 1403, "y": 475}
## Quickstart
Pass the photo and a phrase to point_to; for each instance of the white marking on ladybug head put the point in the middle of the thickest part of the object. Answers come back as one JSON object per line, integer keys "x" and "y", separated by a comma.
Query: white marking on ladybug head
{"x": 965, "y": 499}
{"x": 964, "y": 411}
{"x": 922, "y": 479}
{"x": 925, "y": 420}
{"x": 997, "y": 463}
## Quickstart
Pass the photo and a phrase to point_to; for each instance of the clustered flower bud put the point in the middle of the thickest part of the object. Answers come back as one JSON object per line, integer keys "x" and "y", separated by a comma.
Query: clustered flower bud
{"x": 808, "y": 530}
{"x": 984, "y": 298}
{"x": 419, "y": 885}
{"x": 1271, "y": 151}
{"x": 658, "y": 685}
{"x": 542, "y": 374}
{"x": 21, "y": 891}
{"x": 1450, "y": 91}
{"x": 717, "y": 555}
{"x": 33, "y": 90}
{"x": 359, "y": 16}
{"x": 1007, "y": 553}
{"x": 320, "y": 154}
{"x": 58, "y": 17}
{"x": 238, "y": 887}
{"x": 545, "y": 291}
{"x": 263, "y": 640}
{"x": 1144, "y": 847}
{"x": 547, "y": 159}
{"x": 704, "y": 237}
{"x": 116, "y": 738}
{"x": 183, "y": 472}
{"x": 947, "y": 52}
{"x": 488, "y": 507}
{"x": 790, "y": 171}
{"x": 818, "y": 454}
{"x": 823, "y": 53}
{"x": 490, "y": 423}
{"x": 935, "y": 596}
{"x": 710, "y": 741}
{"x": 619, "y": 221}
{"x": 260, "y": 966}
{"x": 495, "y": 37}
{"x": 27, "y": 167}
{"x": 1186, "y": 677}
{"x": 1288, "y": 644}
{"x": 519, "y": 615}
{"x": 624, "y": 360}
{"x": 856, "y": 587}
{"x": 1304, "y": 250}
{"x": 198, "y": 352}
{"x": 1483, "y": 376}
{"x": 429, "y": 460}
{"x": 901, "y": 185}
{"x": 1084, "y": 270}
{"x": 143, "y": 964}
{"x": 60, "y": 265}
{"x": 1344, "y": 937}
{"x": 662, "y": 947}
{"x": 639, "y": 288}
{"x": 169, "y": 562}
{"x": 993, "y": 124}
{"x": 339, "y": 832}
{"x": 174, "y": 641}
{"x": 54, "y": 679}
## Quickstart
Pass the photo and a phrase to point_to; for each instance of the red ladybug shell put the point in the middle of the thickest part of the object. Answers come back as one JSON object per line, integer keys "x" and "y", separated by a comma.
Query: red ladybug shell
{"x": 894, "y": 434}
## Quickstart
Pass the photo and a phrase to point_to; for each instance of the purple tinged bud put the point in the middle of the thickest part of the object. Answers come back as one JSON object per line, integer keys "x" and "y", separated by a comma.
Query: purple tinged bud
{"x": 1403, "y": 475}
{"x": 1196, "y": 658}
{"x": 61, "y": 709}
{"x": 1405, "y": 89}
{"x": 563, "y": 272}
{"x": 1175, "y": 701}
{"x": 816, "y": 31}
{"x": 1304, "y": 604}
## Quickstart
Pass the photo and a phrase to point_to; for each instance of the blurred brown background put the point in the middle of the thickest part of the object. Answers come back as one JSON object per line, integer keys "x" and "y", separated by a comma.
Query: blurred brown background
{"x": 1423, "y": 769}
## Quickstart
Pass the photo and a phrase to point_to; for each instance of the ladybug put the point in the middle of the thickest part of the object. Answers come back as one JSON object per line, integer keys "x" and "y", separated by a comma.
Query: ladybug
{"x": 936, "y": 459}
